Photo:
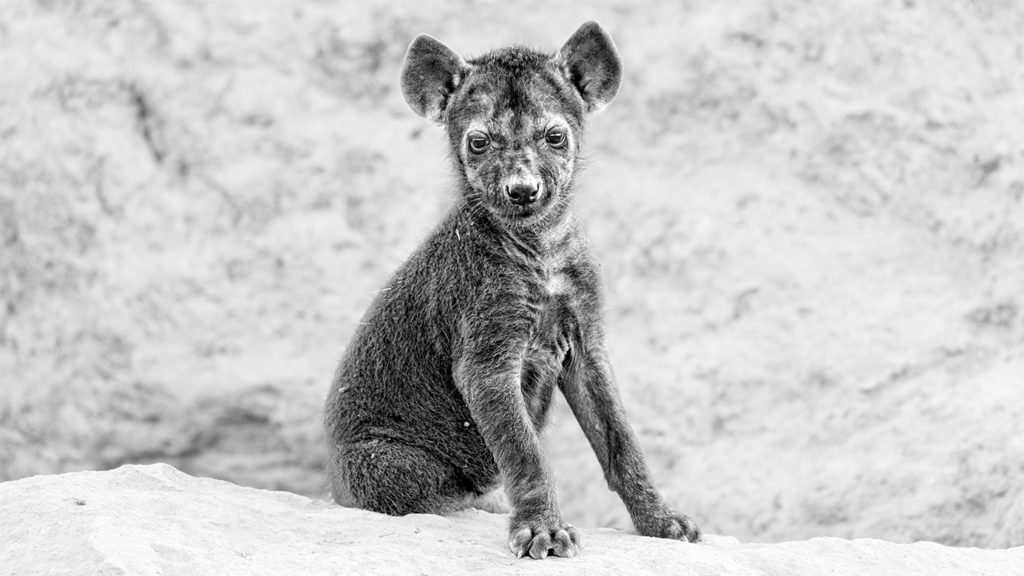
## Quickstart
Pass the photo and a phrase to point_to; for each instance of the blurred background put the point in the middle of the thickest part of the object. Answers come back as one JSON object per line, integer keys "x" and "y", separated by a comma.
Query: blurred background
{"x": 810, "y": 217}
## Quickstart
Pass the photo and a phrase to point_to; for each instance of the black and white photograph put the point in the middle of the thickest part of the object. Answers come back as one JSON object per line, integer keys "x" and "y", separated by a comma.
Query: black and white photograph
{"x": 478, "y": 287}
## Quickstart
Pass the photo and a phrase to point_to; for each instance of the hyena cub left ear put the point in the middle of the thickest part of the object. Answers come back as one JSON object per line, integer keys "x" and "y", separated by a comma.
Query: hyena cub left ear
{"x": 431, "y": 73}
{"x": 592, "y": 64}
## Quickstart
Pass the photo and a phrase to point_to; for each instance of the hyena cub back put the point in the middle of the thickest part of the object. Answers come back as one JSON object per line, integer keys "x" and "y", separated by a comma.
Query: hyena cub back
{"x": 445, "y": 386}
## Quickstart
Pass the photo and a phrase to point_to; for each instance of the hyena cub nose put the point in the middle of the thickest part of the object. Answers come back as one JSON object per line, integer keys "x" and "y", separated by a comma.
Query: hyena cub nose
{"x": 522, "y": 193}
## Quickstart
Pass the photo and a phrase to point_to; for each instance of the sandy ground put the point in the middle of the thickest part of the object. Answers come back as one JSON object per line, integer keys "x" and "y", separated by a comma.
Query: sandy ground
{"x": 143, "y": 520}
{"x": 811, "y": 219}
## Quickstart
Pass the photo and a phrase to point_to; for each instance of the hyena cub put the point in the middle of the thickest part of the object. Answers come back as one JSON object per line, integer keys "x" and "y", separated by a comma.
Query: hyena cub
{"x": 442, "y": 392}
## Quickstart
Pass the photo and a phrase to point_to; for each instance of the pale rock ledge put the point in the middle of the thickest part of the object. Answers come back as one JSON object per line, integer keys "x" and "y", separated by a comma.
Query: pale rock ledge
{"x": 142, "y": 520}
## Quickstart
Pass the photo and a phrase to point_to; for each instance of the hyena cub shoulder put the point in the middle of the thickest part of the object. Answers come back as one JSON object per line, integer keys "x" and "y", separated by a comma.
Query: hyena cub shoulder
{"x": 444, "y": 388}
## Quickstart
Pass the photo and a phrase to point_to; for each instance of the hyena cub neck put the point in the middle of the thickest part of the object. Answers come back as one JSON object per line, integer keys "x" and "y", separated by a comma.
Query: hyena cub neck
{"x": 444, "y": 388}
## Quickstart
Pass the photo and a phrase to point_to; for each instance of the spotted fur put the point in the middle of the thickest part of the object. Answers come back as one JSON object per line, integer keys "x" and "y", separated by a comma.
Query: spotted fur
{"x": 442, "y": 393}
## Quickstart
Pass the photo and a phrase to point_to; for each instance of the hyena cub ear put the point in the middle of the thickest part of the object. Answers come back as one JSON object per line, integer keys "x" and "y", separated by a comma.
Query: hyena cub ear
{"x": 592, "y": 64}
{"x": 432, "y": 71}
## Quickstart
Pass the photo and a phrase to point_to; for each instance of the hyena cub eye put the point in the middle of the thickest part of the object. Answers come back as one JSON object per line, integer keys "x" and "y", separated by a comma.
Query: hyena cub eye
{"x": 478, "y": 142}
{"x": 556, "y": 138}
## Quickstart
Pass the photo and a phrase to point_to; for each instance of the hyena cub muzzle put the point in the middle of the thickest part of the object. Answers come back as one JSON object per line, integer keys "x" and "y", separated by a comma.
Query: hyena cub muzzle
{"x": 441, "y": 395}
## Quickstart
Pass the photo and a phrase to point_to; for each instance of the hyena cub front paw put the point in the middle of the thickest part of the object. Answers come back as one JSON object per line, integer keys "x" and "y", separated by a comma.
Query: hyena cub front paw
{"x": 669, "y": 524}
{"x": 538, "y": 537}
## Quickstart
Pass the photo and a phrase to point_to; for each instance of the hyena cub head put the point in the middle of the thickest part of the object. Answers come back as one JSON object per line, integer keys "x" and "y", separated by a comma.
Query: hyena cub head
{"x": 514, "y": 117}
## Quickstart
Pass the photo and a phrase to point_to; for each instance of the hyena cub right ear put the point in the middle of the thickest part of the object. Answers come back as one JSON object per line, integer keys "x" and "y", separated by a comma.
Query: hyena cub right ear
{"x": 432, "y": 71}
{"x": 592, "y": 64}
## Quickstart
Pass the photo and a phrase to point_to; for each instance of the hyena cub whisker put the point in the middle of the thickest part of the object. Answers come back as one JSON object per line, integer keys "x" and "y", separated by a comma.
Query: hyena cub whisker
{"x": 444, "y": 388}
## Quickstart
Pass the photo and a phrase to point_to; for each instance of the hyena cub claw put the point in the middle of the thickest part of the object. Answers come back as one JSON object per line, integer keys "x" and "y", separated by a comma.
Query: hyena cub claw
{"x": 445, "y": 386}
{"x": 560, "y": 539}
{"x": 671, "y": 525}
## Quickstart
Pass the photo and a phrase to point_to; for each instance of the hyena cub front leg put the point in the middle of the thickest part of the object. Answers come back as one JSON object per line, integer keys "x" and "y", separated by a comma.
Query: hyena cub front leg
{"x": 592, "y": 395}
{"x": 488, "y": 374}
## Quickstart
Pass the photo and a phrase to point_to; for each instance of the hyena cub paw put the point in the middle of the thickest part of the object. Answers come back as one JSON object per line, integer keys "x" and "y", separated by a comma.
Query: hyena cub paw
{"x": 537, "y": 538}
{"x": 669, "y": 524}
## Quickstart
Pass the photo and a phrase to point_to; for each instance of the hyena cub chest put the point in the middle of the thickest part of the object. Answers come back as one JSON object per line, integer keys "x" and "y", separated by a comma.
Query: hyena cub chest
{"x": 554, "y": 336}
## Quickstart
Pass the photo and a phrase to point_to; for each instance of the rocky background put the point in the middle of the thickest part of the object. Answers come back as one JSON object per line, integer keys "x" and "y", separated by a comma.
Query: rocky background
{"x": 811, "y": 220}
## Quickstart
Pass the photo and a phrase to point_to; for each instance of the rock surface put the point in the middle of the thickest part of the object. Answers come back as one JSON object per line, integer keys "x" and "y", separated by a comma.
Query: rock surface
{"x": 154, "y": 519}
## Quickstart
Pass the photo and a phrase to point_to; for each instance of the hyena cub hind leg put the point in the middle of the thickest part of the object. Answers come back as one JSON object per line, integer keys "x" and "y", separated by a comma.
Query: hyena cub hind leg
{"x": 495, "y": 502}
{"x": 394, "y": 479}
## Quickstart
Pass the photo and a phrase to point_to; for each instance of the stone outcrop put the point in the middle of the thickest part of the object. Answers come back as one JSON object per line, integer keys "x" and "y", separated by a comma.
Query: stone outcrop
{"x": 143, "y": 520}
